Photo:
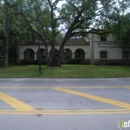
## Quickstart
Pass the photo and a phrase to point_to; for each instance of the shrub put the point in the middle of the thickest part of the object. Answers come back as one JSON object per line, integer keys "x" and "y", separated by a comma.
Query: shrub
{"x": 75, "y": 61}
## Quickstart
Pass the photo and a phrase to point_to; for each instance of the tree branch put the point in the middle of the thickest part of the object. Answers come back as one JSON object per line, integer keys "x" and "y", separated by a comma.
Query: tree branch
{"x": 49, "y": 3}
{"x": 56, "y": 19}
{"x": 94, "y": 31}
{"x": 60, "y": 31}
{"x": 73, "y": 5}
{"x": 56, "y": 2}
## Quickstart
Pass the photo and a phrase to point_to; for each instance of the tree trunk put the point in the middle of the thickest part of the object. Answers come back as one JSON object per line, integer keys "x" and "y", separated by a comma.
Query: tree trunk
{"x": 6, "y": 39}
{"x": 47, "y": 58}
{"x": 92, "y": 50}
{"x": 52, "y": 56}
{"x": 6, "y": 52}
{"x": 60, "y": 56}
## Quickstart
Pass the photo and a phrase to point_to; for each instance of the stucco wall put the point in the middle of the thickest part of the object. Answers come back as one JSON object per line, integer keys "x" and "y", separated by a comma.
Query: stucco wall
{"x": 113, "y": 50}
{"x": 97, "y": 37}
{"x": 73, "y": 48}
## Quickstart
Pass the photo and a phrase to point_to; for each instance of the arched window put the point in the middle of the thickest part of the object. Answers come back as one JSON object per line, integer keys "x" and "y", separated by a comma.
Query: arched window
{"x": 67, "y": 55}
{"x": 80, "y": 54}
{"x": 29, "y": 54}
{"x": 43, "y": 54}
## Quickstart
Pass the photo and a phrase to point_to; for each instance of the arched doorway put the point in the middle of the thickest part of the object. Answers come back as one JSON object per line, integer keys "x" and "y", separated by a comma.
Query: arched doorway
{"x": 80, "y": 54}
{"x": 43, "y": 54}
{"x": 66, "y": 56}
{"x": 29, "y": 54}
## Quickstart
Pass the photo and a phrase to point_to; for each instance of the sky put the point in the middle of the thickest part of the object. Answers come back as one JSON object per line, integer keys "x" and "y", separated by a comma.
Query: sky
{"x": 60, "y": 3}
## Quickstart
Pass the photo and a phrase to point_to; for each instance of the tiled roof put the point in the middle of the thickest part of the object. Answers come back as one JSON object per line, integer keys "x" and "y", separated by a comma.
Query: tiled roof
{"x": 76, "y": 41}
{"x": 73, "y": 41}
{"x": 30, "y": 42}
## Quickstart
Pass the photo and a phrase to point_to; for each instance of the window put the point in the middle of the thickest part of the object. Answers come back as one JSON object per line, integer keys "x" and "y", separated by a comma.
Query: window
{"x": 125, "y": 55}
{"x": 103, "y": 38}
{"x": 103, "y": 54}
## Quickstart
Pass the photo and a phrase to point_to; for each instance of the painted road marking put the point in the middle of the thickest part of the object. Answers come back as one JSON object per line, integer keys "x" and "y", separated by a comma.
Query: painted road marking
{"x": 67, "y": 112}
{"x": 27, "y": 87}
{"x": 127, "y": 87}
{"x": 96, "y": 98}
{"x": 51, "y": 87}
{"x": 98, "y": 87}
{"x": 15, "y": 103}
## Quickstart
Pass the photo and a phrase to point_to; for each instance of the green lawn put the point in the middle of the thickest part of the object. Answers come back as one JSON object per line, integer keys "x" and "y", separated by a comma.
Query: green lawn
{"x": 66, "y": 71}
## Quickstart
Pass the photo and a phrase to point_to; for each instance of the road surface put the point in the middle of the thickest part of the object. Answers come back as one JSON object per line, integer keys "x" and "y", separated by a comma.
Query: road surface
{"x": 64, "y": 104}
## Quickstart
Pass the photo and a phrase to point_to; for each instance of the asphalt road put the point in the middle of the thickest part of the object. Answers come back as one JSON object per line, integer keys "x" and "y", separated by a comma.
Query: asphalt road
{"x": 64, "y": 104}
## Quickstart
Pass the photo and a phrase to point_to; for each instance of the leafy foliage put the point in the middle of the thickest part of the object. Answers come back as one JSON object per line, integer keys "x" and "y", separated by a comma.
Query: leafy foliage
{"x": 125, "y": 43}
{"x": 18, "y": 31}
{"x": 121, "y": 31}
{"x": 77, "y": 18}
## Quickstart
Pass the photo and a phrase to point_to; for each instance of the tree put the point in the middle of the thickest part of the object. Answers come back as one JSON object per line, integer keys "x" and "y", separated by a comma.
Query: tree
{"x": 6, "y": 36}
{"x": 1, "y": 38}
{"x": 75, "y": 18}
{"x": 11, "y": 34}
{"x": 121, "y": 31}
{"x": 18, "y": 31}
{"x": 124, "y": 42}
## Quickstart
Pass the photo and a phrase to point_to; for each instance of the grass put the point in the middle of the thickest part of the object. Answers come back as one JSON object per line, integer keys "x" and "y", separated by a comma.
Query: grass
{"x": 66, "y": 71}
